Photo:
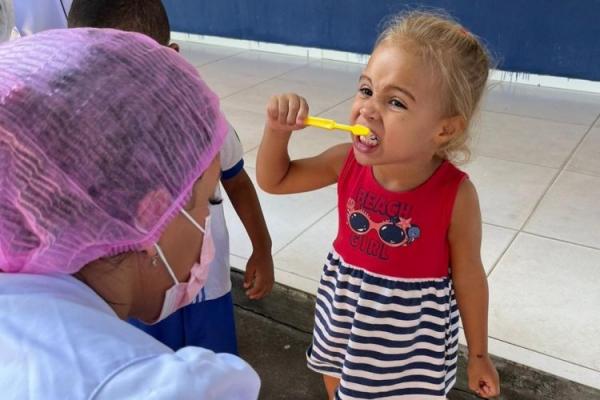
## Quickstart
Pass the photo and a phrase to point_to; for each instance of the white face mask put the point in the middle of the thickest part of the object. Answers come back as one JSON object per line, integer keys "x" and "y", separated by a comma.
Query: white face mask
{"x": 183, "y": 293}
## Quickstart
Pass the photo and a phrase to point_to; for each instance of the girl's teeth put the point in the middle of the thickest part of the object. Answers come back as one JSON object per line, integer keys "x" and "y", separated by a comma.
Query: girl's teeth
{"x": 370, "y": 140}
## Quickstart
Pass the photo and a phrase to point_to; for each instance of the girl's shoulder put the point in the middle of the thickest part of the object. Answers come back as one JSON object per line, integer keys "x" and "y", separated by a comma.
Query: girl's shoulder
{"x": 466, "y": 193}
{"x": 448, "y": 185}
{"x": 465, "y": 206}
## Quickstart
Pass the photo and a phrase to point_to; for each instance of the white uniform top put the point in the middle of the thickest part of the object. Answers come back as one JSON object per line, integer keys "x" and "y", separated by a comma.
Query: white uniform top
{"x": 7, "y": 20}
{"x": 60, "y": 340}
{"x": 39, "y": 15}
{"x": 219, "y": 277}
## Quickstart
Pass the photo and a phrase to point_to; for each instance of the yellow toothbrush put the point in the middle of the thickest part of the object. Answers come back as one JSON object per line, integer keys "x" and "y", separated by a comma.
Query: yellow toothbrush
{"x": 330, "y": 124}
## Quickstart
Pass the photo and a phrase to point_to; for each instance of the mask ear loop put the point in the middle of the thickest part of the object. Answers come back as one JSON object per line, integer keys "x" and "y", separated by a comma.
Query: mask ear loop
{"x": 164, "y": 260}
{"x": 192, "y": 220}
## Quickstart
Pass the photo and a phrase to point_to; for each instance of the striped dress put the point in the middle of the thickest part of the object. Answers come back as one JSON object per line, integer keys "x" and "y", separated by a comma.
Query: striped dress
{"x": 386, "y": 319}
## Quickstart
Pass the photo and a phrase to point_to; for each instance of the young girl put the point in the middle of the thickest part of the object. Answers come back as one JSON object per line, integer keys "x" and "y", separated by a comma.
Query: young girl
{"x": 407, "y": 252}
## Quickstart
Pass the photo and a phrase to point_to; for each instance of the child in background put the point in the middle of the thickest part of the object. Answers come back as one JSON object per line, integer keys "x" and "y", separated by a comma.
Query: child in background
{"x": 406, "y": 257}
{"x": 209, "y": 321}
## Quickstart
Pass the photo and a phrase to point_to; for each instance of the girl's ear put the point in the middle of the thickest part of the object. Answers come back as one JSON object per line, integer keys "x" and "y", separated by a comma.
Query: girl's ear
{"x": 451, "y": 127}
{"x": 174, "y": 46}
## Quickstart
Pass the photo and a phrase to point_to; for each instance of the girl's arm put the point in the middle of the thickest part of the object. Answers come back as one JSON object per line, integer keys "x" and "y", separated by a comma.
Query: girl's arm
{"x": 275, "y": 172}
{"x": 470, "y": 285}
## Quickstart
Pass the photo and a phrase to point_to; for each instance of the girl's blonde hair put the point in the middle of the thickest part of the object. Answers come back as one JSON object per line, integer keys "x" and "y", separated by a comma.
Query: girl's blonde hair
{"x": 459, "y": 60}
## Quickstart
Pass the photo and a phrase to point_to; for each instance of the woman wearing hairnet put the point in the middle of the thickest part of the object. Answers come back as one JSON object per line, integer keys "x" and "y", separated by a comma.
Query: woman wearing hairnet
{"x": 108, "y": 159}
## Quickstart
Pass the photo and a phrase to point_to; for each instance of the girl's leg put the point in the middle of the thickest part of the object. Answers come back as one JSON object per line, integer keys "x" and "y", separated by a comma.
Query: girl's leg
{"x": 331, "y": 384}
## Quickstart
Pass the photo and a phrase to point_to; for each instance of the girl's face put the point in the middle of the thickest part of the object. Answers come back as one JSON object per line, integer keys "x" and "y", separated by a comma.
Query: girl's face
{"x": 398, "y": 99}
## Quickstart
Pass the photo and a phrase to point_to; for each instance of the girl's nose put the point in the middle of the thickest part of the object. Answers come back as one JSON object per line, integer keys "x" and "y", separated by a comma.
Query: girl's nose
{"x": 368, "y": 112}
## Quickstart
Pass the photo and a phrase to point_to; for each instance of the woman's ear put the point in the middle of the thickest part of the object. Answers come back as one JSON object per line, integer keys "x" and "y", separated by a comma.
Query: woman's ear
{"x": 174, "y": 46}
{"x": 150, "y": 251}
{"x": 149, "y": 255}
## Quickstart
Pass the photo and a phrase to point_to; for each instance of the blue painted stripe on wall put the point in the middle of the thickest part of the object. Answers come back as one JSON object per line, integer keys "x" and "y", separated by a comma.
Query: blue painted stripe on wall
{"x": 549, "y": 37}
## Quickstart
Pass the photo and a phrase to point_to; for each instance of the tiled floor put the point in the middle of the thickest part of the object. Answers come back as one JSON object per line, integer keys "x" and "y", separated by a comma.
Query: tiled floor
{"x": 536, "y": 165}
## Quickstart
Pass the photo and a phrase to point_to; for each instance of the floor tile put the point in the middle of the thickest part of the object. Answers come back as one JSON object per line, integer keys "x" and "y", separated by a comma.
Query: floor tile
{"x": 545, "y": 103}
{"x": 544, "y": 296}
{"x": 527, "y": 140}
{"x": 248, "y": 125}
{"x": 306, "y": 255}
{"x": 329, "y": 75}
{"x": 256, "y": 98}
{"x": 246, "y": 69}
{"x": 287, "y": 216}
{"x": 296, "y": 281}
{"x": 308, "y": 142}
{"x": 587, "y": 157}
{"x": 340, "y": 113}
{"x": 542, "y": 362}
{"x": 237, "y": 262}
{"x": 201, "y": 54}
{"x": 508, "y": 191}
{"x": 494, "y": 242}
{"x": 570, "y": 211}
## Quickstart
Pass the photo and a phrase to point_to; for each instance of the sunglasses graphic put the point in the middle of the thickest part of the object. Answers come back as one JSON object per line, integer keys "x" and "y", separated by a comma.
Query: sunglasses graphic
{"x": 395, "y": 232}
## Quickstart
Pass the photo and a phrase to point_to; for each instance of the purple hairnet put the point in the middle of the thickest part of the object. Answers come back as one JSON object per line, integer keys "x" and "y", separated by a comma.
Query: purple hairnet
{"x": 102, "y": 136}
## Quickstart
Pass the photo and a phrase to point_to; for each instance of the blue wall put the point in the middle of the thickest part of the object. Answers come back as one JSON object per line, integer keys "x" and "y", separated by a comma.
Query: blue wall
{"x": 550, "y": 37}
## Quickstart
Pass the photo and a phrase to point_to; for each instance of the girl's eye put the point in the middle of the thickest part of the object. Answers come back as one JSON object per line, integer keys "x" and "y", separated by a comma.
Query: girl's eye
{"x": 365, "y": 91}
{"x": 397, "y": 103}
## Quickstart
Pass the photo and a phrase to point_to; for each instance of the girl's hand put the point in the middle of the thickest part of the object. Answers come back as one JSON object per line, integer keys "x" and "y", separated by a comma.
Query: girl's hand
{"x": 286, "y": 112}
{"x": 483, "y": 377}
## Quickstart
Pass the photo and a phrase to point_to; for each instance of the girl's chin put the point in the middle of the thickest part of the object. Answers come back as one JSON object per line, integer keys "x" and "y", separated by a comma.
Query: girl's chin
{"x": 363, "y": 158}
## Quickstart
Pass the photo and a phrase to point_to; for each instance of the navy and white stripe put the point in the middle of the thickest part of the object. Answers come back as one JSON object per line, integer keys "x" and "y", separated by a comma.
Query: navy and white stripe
{"x": 384, "y": 337}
